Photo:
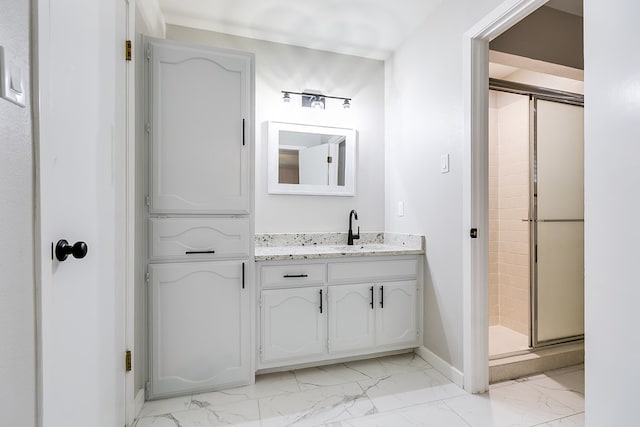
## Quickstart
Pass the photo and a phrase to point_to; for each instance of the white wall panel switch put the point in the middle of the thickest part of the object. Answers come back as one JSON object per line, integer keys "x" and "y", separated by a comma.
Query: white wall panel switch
{"x": 11, "y": 79}
{"x": 444, "y": 163}
{"x": 400, "y": 208}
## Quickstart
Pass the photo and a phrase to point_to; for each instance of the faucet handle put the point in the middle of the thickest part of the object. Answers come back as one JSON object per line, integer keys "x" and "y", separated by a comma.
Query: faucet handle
{"x": 357, "y": 235}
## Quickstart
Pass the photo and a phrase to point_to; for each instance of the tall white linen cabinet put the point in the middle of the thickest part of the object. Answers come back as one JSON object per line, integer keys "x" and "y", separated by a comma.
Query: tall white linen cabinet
{"x": 199, "y": 129}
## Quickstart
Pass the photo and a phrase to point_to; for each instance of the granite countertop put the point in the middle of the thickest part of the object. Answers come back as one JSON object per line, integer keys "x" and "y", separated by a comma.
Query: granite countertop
{"x": 272, "y": 247}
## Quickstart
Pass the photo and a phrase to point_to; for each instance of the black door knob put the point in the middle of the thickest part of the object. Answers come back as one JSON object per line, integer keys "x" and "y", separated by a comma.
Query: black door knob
{"x": 64, "y": 249}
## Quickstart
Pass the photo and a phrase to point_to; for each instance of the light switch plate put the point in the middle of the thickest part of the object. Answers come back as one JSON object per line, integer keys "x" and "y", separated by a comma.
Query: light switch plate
{"x": 11, "y": 79}
{"x": 444, "y": 163}
{"x": 400, "y": 208}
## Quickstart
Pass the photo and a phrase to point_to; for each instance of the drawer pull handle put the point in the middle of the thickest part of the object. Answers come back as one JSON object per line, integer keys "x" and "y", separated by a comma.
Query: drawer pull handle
{"x": 289, "y": 276}
{"x": 199, "y": 252}
{"x": 381, "y": 296}
{"x": 320, "y": 301}
{"x": 243, "y": 275}
{"x": 371, "y": 289}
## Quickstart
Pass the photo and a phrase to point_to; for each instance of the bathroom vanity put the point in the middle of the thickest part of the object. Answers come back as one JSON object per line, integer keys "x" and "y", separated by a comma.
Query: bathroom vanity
{"x": 323, "y": 302}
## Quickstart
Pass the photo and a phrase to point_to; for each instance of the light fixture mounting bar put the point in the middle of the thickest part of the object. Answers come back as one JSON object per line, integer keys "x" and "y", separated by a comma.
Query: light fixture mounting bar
{"x": 315, "y": 94}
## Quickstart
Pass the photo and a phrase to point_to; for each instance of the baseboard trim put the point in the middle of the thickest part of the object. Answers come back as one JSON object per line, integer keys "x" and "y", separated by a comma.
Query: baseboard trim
{"x": 441, "y": 366}
{"x": 139, "y": 401}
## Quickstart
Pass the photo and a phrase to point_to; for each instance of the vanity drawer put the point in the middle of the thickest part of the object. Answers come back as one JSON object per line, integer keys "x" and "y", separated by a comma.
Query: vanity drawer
{"x": 294, "y": 274}
{"x": 370, "y": 271}
{"x": 195, "y": 237}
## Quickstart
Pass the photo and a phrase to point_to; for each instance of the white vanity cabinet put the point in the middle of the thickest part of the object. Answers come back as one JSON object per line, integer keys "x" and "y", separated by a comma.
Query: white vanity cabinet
{"x": 200, "y": 232}
{"x": 295, "y": 323}
{"x": 200, "y": 327}
{"x": 329, "y": 309}
{"x": 396, "y": 313}
{"x": 352, "y": 317}
{"x": 200, "y": 122}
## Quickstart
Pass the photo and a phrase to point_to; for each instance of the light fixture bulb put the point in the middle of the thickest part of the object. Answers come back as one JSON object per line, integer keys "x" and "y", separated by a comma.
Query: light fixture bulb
{"x": 346, "y": 104}
{"x": 317, "y": 103}
{"x": 286, "y": 97}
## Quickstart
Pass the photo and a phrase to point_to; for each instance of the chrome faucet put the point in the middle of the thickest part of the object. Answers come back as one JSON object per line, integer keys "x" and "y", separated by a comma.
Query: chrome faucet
{"x": 352, "y": 237}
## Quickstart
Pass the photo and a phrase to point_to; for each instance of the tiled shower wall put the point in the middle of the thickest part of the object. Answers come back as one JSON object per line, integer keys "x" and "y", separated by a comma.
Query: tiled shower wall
{"x": 508, "y": 206}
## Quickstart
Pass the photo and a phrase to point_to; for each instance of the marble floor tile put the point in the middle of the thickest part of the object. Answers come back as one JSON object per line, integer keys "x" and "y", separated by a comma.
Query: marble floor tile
{"x": 329, "y": 375}
{"x": 265, "y": 386}
{"x": 572, "y": 421}
{"x": 427, "y": 415}
{"x": 513, "y": 405}
{"x": 165, "y": 406}
{"x": 321, "y": 405}
{"x": 567, "y": 388}
{"x": 383, "y": 366}
{"x": 244, "y": 413}
{"x": 408, "y": 389}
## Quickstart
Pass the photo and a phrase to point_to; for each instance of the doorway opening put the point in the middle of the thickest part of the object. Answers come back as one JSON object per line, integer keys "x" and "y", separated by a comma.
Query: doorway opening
{"x": 536, "y": 204}
{"x": 476, "y": 180}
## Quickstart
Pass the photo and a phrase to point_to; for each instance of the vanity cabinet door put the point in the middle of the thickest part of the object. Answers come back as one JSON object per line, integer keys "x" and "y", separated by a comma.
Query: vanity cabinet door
{"x": 351, "y": 317}
{"x": 396, "y": 313}
{"x": 200, "y": 327}
{"x": 294, "y": 324}
{"x": 199, "y": 129}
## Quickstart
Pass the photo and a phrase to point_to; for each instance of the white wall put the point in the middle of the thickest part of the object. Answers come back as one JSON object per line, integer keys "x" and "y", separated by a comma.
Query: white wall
{"x": 17, "y": 301}
{"x": 612, "y": 212}
{"x": 284, "y": 67}
{"x": 424, "y": 121}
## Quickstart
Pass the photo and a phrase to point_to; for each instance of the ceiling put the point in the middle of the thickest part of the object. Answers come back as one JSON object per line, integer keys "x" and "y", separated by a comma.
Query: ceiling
{"x": 369, "y": 28}
{"x": 573, "y": 7}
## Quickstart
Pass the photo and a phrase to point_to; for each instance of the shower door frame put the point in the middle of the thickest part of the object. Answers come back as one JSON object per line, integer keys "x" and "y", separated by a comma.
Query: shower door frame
{"x": 536, "y": 93}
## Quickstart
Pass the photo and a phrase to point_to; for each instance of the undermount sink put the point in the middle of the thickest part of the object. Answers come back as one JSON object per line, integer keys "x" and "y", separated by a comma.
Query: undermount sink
{"x": 364, "y": 247}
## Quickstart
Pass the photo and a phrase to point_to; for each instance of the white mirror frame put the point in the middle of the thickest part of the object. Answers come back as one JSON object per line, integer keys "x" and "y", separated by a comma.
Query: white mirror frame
{"x": 274, "y": 187}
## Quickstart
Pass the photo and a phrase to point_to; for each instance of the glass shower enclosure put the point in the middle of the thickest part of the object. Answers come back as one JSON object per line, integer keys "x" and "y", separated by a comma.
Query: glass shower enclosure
{"x": 552, "y": 211}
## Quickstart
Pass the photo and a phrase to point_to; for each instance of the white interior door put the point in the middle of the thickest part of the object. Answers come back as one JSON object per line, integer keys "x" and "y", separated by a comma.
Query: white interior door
{"x": 80, "y": 129}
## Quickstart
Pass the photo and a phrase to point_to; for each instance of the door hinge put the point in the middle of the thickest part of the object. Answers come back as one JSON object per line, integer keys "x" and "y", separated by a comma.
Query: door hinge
{"x": 127, "y": 50}
{"x": 473, "y": 233}
{"x": 127, "y": 361}
{"x": 147, "y": 389}
{"x": 147, "y": 127}
{"x": 148, "y": 55}
{"x": 147, "y": 277}
{"x": 147, "y": 200}
{"x": 329, "y": 159}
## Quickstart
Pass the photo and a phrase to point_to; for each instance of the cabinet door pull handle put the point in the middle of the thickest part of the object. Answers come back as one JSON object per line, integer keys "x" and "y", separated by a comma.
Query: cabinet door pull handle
{"x": 289, "y": 276}
{"x": 243, "y": 133}
{"x": 199, "y": 252}
{"x": 381, "y": 296}
{"x": 320, "y": 301}
{"x": 371, "y": 289}
{"x": 243, "y": 275}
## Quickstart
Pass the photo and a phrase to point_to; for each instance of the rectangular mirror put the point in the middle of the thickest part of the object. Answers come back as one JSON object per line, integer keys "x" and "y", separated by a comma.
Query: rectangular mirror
{"x": 313, "y": 160}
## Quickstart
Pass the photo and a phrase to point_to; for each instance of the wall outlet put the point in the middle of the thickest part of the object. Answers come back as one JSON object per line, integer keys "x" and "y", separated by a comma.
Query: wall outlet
{"x": 444, "y": 163}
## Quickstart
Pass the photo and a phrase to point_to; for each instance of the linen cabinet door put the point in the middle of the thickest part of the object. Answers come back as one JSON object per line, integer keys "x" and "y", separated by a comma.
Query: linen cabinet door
{"x": 351, "y": 317}
{"x": 199, "y": 129}
{"x": 200, "y": 320}
{"x": 294, "y": 324}
{"x": 396, "y": 314}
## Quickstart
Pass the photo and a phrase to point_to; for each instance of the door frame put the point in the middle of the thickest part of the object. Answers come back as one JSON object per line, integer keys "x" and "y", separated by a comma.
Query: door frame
{"x": 475, "y": 252}
{"x": 132, "y": 407}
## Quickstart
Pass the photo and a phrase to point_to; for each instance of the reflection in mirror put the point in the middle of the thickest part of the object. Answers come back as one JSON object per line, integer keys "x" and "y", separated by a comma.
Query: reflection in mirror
{"x": 311, "y": 159}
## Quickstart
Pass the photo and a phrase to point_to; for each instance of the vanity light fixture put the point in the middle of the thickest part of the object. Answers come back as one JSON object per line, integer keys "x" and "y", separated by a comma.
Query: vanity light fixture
{"x": 314, "y": 100}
